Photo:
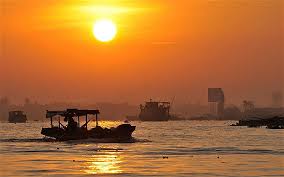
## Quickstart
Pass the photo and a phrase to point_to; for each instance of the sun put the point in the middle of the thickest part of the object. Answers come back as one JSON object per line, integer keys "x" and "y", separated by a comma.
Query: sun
{"x": 104, "y": 30}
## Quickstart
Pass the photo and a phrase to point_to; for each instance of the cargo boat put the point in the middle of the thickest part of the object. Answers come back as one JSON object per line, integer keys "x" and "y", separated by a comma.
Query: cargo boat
{"x": 155, "y": 111}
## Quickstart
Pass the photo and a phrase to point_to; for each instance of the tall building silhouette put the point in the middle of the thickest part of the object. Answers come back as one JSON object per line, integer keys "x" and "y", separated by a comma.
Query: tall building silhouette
{"x": 216, "y": 100}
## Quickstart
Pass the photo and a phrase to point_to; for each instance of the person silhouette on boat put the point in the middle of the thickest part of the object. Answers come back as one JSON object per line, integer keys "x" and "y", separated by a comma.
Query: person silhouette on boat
{"x": 72, "y": 125}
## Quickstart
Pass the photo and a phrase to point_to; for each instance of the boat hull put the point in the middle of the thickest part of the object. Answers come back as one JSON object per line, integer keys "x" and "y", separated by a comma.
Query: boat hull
{"x": 123, "y": 131}
{"x": 17, "y": 121}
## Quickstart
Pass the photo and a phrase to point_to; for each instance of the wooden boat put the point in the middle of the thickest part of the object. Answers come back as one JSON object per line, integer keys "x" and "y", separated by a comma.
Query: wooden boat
{"x": 73, "y": 130}
{"x": 17, "y": 117}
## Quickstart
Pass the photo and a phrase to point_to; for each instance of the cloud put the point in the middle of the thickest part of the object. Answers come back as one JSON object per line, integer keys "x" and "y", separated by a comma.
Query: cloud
{"x": 164, "y": 43}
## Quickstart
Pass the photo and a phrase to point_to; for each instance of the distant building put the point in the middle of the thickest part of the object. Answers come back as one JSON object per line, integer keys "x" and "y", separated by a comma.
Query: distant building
{"x": 277, "y": 99}
{"x": 247, "y": 105}
{"x": 4, "y": 106}
{"x": 232, "y": 113}
{"x": 216, "y": 100}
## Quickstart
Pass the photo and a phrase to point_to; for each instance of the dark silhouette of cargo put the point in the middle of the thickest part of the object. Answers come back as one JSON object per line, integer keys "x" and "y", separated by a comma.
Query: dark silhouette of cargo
{"x": 73, "y": 131}
{"x": 17, "y": 117}
{"x": 270, "y": 123}
{"x": 155, "y": 111}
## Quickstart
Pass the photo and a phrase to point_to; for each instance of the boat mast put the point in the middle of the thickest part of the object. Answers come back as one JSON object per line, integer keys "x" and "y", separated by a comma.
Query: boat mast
{"x": 51, "y": 124}
{"x": 78, "y": 121}
{"x": 86, "y": 121}
{"x": 97, "y": 123}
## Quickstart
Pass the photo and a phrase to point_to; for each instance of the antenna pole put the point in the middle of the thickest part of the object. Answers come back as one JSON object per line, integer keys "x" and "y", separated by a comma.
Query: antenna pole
{"x": 78, "y": 121}
{"x": 51, "y": 124}
{"x": 86, "y": 121}
{"x": 97, "y": 124}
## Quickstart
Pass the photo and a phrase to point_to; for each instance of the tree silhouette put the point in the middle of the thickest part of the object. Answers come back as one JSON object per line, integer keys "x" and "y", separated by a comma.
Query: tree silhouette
{"x": 247, "y": 105}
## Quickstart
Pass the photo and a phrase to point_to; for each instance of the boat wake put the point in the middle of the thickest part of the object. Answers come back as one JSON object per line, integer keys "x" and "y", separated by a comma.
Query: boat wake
{"x": 89, "y": 140}
{"x": 109, "y": 140}
{"x": 28, "y": 140}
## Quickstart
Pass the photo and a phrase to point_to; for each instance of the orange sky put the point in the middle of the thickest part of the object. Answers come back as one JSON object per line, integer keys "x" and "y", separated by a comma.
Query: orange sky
{"x": 163, "y": 49}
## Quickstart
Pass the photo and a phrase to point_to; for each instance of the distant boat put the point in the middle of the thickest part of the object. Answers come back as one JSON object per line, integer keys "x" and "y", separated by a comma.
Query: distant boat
{"x": 17, "y": 117}
{"x": 155, "y": 111}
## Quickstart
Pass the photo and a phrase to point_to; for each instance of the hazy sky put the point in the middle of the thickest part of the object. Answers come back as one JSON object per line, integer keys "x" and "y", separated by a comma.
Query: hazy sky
{"x": 163, "y": 49}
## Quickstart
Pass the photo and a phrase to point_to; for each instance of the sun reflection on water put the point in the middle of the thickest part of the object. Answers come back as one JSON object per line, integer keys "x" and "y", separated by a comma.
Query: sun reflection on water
{"x": 108, "y": 163}
{"x": 102, "y": 123}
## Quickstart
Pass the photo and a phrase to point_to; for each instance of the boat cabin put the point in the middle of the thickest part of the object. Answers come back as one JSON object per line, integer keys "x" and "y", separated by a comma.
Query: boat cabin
{"x": 17, "y": 117}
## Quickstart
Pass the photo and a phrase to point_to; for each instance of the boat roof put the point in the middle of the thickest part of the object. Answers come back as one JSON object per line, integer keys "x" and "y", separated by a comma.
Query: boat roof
{"x": 162, "y": 102}
{"x": 16, "y": 111}
{"x": 72, "y": 112}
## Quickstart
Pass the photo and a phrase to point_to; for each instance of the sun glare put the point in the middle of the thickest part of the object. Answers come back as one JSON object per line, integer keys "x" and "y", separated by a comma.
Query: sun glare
{"x": 104, "y": 30}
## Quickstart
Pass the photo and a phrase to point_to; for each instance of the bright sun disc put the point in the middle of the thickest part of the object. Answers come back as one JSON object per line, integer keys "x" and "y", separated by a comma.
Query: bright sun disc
{"x": 104, "y": 30}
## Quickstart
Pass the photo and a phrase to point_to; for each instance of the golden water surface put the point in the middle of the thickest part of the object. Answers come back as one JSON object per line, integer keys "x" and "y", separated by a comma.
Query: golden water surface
{"x": 174, "y": 148}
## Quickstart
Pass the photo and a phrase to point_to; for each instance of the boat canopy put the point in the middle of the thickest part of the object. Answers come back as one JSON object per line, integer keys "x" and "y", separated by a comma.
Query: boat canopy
{"x": 72, "y": 113}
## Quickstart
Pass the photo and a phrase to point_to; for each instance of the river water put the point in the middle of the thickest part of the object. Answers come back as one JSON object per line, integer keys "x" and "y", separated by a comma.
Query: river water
{"x": 174, "y": 148}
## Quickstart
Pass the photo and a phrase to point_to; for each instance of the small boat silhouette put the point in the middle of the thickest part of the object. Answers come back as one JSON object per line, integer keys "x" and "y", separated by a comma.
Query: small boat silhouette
{"x": 73, "y": 131}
